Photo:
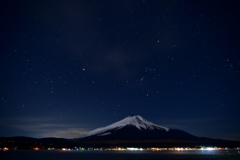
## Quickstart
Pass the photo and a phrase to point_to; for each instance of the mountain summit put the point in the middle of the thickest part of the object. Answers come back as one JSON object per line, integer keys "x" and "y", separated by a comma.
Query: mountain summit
{"x": 133, "y": 121}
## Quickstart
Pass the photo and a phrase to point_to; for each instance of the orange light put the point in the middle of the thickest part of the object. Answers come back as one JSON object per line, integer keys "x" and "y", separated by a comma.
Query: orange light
{"x": 5, "y": 148}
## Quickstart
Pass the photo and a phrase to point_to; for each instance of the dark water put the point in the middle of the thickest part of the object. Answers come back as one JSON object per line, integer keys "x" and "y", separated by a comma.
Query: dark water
{"x": 120, "y": 155}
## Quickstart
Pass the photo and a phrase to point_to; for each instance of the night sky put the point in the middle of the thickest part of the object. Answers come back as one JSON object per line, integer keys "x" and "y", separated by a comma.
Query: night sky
{"x": 68, "y": 67}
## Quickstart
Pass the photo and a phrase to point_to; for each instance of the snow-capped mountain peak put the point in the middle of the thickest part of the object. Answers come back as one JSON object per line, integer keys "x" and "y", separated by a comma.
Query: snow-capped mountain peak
{"x": 135, "y": 120}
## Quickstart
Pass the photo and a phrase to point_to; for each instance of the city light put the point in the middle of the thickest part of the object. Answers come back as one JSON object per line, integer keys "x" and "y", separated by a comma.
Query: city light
{"x": 36, "y": 148}
{"x": 5, "y": 149}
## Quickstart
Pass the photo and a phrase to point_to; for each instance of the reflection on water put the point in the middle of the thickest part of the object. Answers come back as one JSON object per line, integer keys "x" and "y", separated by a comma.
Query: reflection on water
{"x": 121, "y": 155}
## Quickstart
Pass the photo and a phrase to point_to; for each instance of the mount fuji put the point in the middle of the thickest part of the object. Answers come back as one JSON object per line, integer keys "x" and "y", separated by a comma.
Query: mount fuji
{"x": 131, "y": 121}
{"x": 137, "y": 131}
{"x": 136, "y": 128}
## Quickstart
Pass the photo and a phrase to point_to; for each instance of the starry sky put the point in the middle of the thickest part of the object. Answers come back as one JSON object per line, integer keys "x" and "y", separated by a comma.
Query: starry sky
{"x": 68, "y": 67}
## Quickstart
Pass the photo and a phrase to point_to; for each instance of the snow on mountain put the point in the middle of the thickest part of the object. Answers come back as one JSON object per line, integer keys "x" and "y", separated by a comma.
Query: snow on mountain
{"x": 136, "y": 121}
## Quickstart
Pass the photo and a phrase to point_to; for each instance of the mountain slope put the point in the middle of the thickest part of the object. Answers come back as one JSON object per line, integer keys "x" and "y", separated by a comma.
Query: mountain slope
{"x": 136, "y": 121}
{"x": 136, "y": 128}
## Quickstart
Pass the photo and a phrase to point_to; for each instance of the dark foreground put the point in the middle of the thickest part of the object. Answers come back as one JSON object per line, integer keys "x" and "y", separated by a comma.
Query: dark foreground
{"x": 120, "y": 155}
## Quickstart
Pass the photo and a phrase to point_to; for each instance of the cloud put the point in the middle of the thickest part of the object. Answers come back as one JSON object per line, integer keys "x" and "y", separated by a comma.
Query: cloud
{"x": 52, "y": 130}
{"x": 38, "y": 127}
{"x": 66, "y": 133}
{"x": 45, "y": 127}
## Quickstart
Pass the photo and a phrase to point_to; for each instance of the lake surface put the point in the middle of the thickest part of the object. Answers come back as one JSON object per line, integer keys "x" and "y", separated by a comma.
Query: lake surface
{"x": 120, "y": 155}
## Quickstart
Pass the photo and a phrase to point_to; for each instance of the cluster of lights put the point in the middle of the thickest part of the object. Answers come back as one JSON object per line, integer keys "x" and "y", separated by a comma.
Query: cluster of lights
{"x": 123, "y": 149}
{"x": 157, "y": 149}
{"x": 5, "y": 149}
{"x": 211, "y": 148}
{"x": 135, "y": 149}
{"x": 66, "y": 149}
{"x": 129, "y": 148}
{"x": 160, "y": 149}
